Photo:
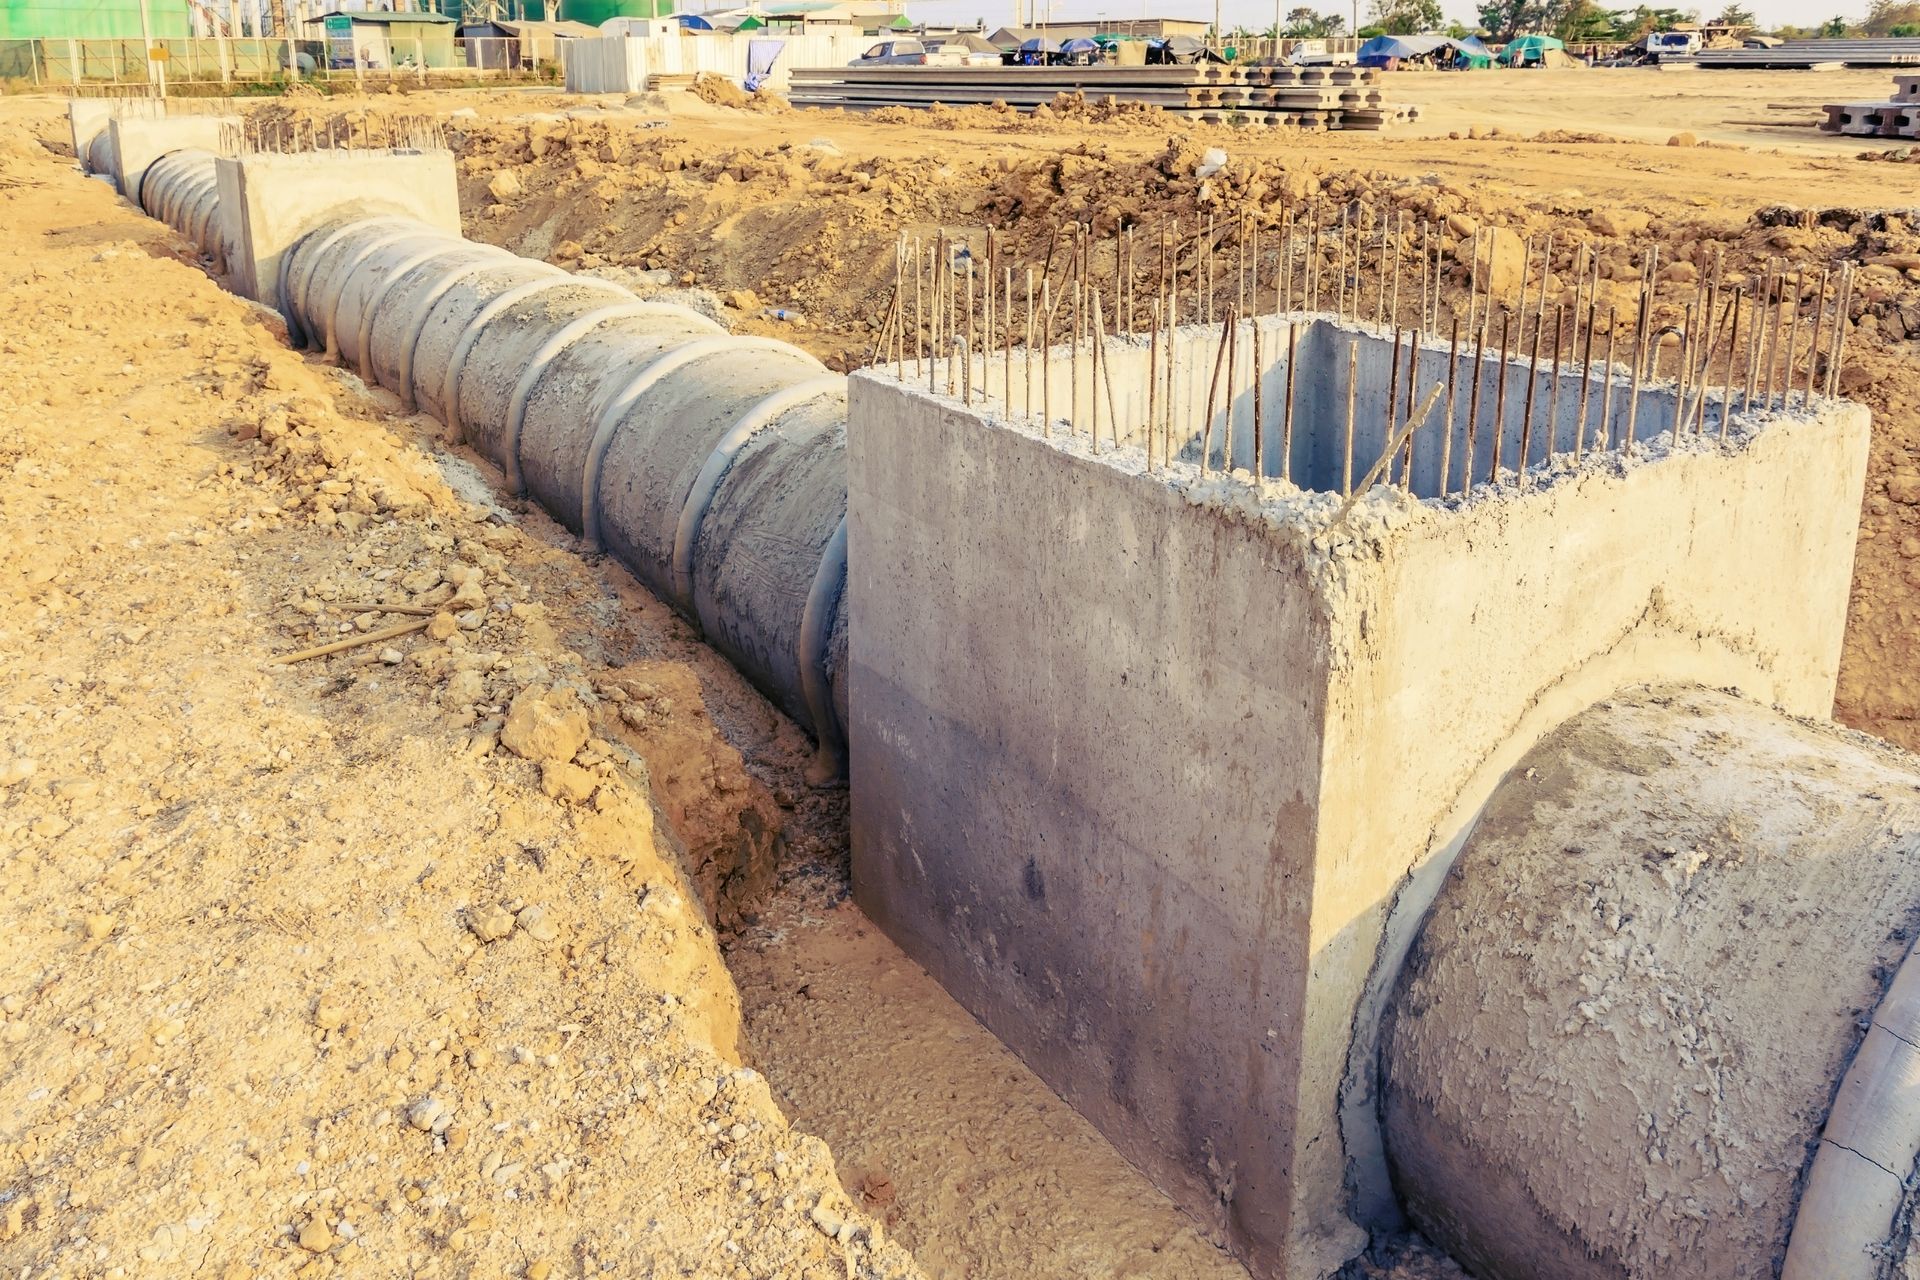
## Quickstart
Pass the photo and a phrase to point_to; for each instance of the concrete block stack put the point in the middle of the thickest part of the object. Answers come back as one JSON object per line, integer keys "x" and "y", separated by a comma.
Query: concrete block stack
{"x": 1306, "y": 97}
{"x": 1897, "y": 118}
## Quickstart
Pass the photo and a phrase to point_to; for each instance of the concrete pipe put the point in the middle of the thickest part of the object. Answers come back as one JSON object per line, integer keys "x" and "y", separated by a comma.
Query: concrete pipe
{"x": 712, "y": 466}
{"x": 99, "y": 157}
{"x": 1653, "y": 968}
{"x": 181, "y": 190}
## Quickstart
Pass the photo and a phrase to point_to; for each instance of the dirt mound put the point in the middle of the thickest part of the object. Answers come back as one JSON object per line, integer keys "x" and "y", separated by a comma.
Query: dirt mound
{"x": 723, "y": 92}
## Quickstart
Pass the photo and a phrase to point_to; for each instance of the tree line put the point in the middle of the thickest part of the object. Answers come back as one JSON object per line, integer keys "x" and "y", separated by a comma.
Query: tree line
{"x": 1581, "y": 21}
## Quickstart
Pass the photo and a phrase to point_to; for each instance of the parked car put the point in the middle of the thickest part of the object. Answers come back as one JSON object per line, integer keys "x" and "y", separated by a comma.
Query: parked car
{"x": 896, "y": 53}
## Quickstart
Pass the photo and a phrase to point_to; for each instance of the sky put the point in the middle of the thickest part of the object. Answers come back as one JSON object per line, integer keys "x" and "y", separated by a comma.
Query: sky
{"x": 1258, "y": 14}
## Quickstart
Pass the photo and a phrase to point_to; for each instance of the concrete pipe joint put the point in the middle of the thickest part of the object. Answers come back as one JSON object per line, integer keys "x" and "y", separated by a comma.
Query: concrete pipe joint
{"x": 711, "y": 466}
{"x": 1661, "y": 1020}
{"x": 181, "y": 190}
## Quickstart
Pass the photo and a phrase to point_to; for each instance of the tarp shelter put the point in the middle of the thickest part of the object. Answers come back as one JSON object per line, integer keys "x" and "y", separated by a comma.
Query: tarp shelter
{"x": 693, "y": 22}
{"x": 1522, "y": 50}
{"x": 384, "y": 40}
{"x": 1037, "y": 52}
{"x": 501, "y": 44}
{"x": 1384, "y": 51}
{"x": 1079, "y": 52}
{"x": 1472, "y": 54}
{"x": 968, "y": 41}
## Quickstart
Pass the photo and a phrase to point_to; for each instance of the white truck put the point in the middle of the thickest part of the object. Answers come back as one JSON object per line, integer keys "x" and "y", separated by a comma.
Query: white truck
{"x": 1672, "y": 44}
{"x": 1314, "y": 53}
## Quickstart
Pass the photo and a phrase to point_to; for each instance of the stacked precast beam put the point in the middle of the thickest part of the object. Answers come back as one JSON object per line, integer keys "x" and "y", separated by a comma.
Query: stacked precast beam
{"x": 1897, "y": 118}
{"x": 711, "y": 466}
{"x": 1310, "y": 97}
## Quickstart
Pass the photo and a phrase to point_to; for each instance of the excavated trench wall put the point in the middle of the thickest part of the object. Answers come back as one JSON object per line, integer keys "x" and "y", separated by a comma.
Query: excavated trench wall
{"x": 1146, "y": 763}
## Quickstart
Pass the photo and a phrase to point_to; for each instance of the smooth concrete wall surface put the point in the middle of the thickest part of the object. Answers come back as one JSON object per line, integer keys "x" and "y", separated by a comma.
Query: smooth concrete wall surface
{"x": 269, "y": 201}
{"x": 138, "y": 142}
{"x": 1081, "y": 798}
{"x": 1544, "y": 408}
{"x": 1142, "y": 763}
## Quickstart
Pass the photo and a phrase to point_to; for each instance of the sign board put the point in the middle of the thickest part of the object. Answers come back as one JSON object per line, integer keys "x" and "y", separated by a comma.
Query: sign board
{"x": 159, "y": 53}
{"x": 339, "y": 40}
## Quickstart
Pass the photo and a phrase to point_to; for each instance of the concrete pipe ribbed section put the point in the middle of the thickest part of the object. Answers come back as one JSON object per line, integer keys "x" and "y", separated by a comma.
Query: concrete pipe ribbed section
{"x": 180, "y": 189}
{"x": 1616, "y": 1041}
{"x": 712, "y": 466}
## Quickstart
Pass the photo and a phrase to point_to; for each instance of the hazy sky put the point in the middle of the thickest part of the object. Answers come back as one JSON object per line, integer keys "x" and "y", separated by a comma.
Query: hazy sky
{"x": 1258, "y": 15}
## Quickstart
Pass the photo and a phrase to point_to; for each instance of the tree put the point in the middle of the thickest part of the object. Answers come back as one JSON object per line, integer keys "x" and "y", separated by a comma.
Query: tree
{"x": 1884, "y": 15}
{"x": 1406, "y": 17}
{"x": 1735, "y": 15}
{"x": 1504, "y": 19}
{"x": 1583, "y": 22}
{"x": 1305, "y": 24}
{"x": 1835, "y": 28}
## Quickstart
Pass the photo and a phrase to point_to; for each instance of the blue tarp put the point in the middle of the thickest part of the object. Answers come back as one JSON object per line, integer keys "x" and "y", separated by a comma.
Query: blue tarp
{"x": 693, "y": 22}
{"x": 1382, "y": 49}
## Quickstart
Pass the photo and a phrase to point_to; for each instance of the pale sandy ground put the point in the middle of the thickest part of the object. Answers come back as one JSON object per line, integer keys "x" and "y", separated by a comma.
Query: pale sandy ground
{"x": 1749, "y": 108}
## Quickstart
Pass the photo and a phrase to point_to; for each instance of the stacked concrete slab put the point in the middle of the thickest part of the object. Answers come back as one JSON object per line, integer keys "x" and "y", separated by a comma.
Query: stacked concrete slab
{"x": 1309, "y": 97}
{"x": 1898, "y": 117}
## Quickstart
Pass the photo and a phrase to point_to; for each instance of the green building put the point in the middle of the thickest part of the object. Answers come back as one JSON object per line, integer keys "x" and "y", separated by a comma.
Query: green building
{"x": 92, "y": 19}
{"x": 591, "y": 12}
{"x": 383, "y": 40}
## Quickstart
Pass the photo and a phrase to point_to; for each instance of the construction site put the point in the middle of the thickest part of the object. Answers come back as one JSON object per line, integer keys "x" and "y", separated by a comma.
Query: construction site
{"x": 1282, "y": 674}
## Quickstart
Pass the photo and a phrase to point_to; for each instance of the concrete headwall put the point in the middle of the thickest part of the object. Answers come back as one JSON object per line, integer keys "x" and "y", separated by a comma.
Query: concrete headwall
{"x": 1143, "y": 763}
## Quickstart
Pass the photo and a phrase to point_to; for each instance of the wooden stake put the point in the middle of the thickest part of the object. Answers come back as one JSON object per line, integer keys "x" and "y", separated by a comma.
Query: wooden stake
{"x": 352, "y": 642}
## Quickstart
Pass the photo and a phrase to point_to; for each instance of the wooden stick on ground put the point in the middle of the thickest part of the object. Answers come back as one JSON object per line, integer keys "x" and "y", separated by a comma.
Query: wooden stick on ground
{"x": 353, "y": 642}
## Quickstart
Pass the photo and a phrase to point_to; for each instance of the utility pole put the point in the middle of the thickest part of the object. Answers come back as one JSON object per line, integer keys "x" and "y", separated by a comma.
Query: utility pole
{"x": 146, "y": 41}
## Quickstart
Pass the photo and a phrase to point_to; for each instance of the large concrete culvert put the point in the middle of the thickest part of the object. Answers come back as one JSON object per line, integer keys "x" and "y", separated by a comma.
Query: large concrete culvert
{"x": 712, "y": 466}
{"x": 1615, "y": 1043}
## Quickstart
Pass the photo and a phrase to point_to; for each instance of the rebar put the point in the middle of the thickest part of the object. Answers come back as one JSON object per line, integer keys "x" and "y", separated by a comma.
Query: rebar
{"x": 1453, "y": 379}
{"x": 1604, "y": 435}
{"x": 1213, "y": 389}
{"x": 1259, "y": 468}
{"x": 1500, "y": 397}
{"x": 1286, "y": 412}
{"x": 1353, "y": 369}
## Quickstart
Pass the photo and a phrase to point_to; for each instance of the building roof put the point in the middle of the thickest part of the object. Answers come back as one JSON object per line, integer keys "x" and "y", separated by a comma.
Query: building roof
{"x": 574, "y": 30}
{"x": 382, "y": 18}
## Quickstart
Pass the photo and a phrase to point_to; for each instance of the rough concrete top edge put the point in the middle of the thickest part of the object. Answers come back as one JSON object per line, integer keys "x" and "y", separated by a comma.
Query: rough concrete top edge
{"x": 1313, "y": 520}
{"x": 337, "y": 156}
